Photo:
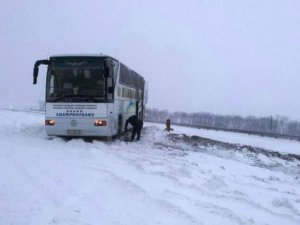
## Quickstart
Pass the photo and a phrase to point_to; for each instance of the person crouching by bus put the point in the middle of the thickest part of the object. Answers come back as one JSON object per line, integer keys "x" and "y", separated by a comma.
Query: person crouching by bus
{"x": 137, "y": 126}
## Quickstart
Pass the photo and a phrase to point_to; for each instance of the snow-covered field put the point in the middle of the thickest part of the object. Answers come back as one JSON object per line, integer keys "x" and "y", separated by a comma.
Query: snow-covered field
{"x": 280, "y": 145}
{"x": 163, "y": 179}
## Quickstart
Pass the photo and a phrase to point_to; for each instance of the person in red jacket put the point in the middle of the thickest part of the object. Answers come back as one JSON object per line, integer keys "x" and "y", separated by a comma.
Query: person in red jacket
{"x": 137, "y": 126}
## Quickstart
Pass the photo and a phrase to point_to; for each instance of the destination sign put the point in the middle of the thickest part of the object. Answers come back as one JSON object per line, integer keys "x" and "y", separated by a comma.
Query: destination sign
{"x": 74, "y": 113}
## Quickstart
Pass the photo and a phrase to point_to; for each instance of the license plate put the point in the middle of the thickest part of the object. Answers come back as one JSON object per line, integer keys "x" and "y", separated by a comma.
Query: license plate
{"x": 74, "y": 132}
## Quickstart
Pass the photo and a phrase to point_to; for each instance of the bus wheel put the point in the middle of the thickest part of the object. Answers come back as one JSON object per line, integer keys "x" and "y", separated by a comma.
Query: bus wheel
{"x": 120, "y": 122}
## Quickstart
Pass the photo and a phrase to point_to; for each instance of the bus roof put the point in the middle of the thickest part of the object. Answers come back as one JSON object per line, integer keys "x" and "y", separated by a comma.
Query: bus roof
{"x": 82, "y": 55}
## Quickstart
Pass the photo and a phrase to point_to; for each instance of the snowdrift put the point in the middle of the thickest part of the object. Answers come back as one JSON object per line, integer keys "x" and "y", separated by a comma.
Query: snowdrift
{"x": 184, "y": 177}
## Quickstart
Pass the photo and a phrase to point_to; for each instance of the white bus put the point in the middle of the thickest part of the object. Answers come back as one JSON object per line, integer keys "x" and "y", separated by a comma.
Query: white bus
{"x": 90, "y": 95}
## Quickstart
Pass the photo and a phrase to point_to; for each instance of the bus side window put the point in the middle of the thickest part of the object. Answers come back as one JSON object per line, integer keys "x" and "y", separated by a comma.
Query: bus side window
{"x": 109, "y": 88}
{"x": 115, "y": 69}
{"x": 51, "y": 87}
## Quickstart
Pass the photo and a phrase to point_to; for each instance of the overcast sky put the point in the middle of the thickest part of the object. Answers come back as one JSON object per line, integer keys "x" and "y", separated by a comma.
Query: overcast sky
{"x": 237, "y": 57}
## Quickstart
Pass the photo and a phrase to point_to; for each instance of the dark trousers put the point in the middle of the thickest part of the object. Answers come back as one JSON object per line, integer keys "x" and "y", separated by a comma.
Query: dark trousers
{"x": 137, "y": 131}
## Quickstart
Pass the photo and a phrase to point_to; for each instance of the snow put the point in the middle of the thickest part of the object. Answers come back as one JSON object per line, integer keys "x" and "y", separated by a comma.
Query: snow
{"x": 280, "y": 145}
{"x": 154, "y": 181}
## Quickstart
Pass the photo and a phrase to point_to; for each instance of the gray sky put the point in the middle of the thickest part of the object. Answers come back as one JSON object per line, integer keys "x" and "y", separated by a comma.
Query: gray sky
{"x": 225, "y": 57}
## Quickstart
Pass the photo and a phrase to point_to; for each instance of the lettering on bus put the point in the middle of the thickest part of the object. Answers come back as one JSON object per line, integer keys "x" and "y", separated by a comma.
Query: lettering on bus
{"x": 75, "y": 114}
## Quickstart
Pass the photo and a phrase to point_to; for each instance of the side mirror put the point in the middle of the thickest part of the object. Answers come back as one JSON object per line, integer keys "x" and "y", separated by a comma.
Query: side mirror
{"x": 36, "y": 68}
{"x": 35, "y": 74}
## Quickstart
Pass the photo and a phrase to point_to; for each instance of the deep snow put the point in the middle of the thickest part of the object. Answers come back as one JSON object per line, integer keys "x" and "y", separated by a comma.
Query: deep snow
{"x": 159, "y": 180}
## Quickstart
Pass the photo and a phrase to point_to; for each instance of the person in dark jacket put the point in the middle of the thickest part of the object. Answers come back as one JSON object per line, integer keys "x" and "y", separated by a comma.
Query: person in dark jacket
{"x": 137, "y": 126}
{"x": 168, "y": 125}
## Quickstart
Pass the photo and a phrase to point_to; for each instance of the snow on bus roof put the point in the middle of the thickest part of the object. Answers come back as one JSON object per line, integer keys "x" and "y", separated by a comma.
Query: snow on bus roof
{"x": 80, "y": 55}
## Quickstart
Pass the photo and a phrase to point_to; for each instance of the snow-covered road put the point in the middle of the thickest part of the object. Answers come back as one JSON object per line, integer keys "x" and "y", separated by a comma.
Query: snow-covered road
{"x": 154, "y": 181}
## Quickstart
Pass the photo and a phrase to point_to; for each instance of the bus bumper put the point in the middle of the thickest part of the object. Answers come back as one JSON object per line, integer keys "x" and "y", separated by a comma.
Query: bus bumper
{"x": 78, "y": 127}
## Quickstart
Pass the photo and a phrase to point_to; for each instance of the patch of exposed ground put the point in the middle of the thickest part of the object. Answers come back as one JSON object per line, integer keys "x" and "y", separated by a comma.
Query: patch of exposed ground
{"x": 197, "y": 142}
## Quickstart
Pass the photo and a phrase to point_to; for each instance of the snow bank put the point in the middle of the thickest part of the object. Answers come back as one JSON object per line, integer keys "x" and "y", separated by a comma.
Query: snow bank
{"x": 154, "y": 181}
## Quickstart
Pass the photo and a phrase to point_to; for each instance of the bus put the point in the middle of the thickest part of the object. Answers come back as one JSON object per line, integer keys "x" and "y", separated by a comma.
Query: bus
{"x": 90, "y": 96}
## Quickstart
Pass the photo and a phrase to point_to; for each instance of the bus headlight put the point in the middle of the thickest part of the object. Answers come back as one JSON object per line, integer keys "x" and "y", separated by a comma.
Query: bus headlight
{"x": 100, "y": 123}
{"x": 49, "y": 122}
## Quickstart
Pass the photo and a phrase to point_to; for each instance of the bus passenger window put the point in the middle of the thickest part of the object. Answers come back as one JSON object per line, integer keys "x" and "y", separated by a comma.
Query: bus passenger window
{"x": 109, "y": 88}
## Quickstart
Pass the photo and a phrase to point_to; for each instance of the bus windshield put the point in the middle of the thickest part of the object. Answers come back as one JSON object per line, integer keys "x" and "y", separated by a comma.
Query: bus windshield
{"x": 76, "y": 79}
